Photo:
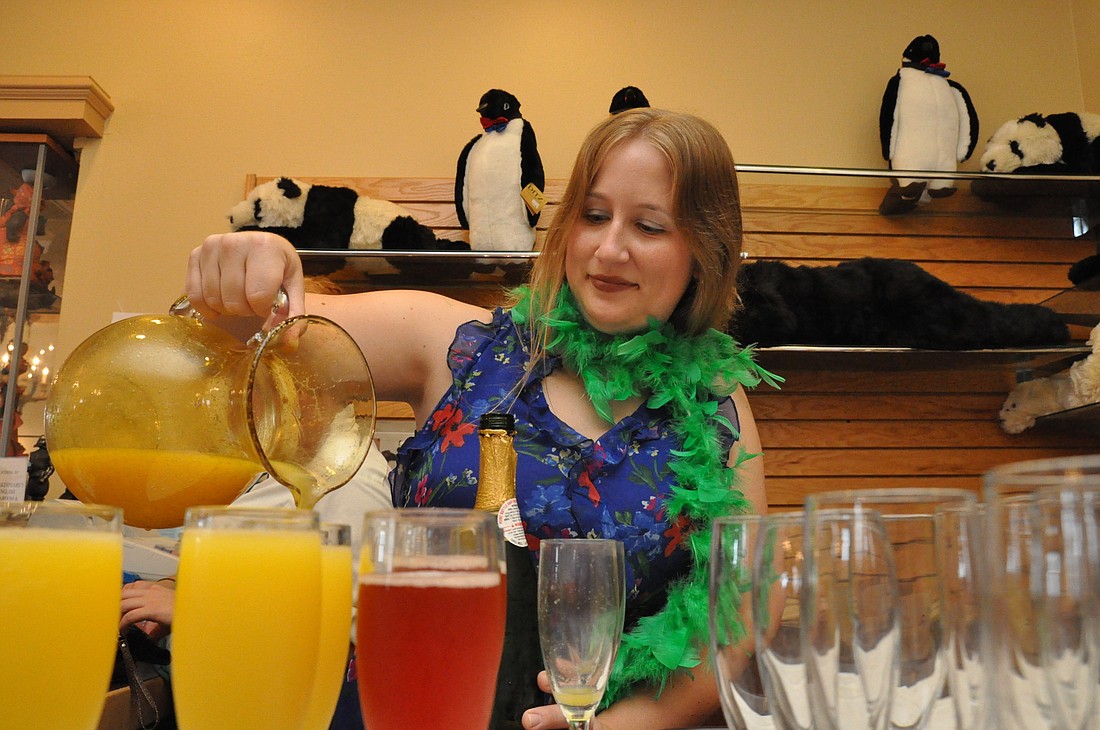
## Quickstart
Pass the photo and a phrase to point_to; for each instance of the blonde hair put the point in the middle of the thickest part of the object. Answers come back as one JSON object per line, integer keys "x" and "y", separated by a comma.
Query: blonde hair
{"x": 707, "y": 209}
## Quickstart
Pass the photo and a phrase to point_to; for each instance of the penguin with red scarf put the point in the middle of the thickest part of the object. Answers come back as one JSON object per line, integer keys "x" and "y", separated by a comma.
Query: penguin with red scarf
{"x": 926, "y": 122}
{"x": 499, "y": 182}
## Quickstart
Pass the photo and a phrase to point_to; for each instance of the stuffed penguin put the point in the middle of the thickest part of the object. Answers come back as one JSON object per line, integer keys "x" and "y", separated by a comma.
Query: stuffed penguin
{"x": 926, "y": 122}
{"x": 499, "y": 181}
{"x": 628, "y": 97}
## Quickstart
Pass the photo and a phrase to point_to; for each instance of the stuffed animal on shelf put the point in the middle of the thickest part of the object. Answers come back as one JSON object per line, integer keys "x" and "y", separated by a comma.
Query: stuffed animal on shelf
{"x": 499, "y": 182}
{"x": 628, "y": 97}
{"x": 1059, "y": 144}
{"x": 878, "y": 302}
{"x": 926, "y": 122}
{"x": 333, "y": 217}
{"x": 1072, "y": 388}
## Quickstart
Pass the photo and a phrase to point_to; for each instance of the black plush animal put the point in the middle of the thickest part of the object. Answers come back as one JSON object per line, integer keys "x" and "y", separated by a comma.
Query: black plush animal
{"x": 877, "y": 302}
{"x": 628, "y": 97}
{"x": 499, "y": 181}
{"x": 319, "y": 217}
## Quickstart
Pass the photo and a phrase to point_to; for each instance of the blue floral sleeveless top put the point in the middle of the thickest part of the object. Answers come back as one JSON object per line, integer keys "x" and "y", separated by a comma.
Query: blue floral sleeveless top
{"x": 567, "y": 485}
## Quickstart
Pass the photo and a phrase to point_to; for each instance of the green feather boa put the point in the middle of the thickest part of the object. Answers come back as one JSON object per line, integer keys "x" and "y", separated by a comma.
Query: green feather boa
{"x": 688, "y": 375}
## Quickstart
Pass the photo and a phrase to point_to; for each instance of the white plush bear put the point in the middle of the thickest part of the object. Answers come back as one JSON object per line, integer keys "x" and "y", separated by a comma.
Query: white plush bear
{"x": 1072, "y": 388}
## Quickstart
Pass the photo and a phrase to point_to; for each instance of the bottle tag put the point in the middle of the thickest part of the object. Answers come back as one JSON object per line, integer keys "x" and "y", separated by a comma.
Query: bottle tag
{"x": 533, "y": 197}
{"x": 511, "y": 524}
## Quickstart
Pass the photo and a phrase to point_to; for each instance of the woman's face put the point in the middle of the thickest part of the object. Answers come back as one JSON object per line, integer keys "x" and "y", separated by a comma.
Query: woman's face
{"x": 625, "y": 259}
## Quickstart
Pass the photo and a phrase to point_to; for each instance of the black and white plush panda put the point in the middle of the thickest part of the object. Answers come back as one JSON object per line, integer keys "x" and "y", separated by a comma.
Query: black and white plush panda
{"x": 316, "y": 217}
{"x": 1061, "y": 144}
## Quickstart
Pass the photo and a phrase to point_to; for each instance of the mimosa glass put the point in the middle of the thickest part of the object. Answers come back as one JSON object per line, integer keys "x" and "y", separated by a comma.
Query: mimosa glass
{"x": 431, "y": 618}
{"x": 60, "y": 587}
{"x": 247, "y": 616}
{"x": 336, "y": 599}
{"x": 582, "y": 604}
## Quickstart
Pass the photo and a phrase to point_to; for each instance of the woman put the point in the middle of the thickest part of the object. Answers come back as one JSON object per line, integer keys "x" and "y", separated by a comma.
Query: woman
{"x": 608, "y": 360}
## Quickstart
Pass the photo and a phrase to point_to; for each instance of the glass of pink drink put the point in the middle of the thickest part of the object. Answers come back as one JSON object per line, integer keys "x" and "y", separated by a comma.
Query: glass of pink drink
{"x": 431, "y": 618}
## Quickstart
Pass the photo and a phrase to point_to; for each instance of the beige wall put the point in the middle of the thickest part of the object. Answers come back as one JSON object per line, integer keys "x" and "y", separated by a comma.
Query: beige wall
{"x": 207, "y": 92}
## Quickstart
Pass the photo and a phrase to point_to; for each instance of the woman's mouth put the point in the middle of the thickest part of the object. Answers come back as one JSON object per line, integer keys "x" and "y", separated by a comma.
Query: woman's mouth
{"x": 610, "y": 284}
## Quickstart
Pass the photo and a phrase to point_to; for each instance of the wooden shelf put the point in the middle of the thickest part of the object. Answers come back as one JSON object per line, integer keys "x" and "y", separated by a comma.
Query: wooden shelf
{"x": 65, "y": 107}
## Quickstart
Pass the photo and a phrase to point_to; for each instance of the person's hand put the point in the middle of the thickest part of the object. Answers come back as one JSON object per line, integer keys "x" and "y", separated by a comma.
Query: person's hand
{"x": 550, "y": 717}
{"x": 149, "y": 606}
{"x": 239, "y": 274}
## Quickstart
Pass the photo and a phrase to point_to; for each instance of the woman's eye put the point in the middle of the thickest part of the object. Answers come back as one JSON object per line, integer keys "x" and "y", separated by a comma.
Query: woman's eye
{"x": 650, "y": 228}
{"x": 594, "y": 216}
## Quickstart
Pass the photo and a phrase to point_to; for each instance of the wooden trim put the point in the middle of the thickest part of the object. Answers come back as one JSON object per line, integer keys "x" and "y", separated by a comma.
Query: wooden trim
{"x": 64, "y": 107}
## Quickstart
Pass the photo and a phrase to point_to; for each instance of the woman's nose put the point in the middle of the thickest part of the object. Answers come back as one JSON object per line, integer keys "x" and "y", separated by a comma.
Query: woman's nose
{"x": 612, "y": 243}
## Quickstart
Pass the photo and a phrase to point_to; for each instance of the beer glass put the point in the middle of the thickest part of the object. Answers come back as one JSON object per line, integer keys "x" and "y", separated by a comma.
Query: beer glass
{"x": 248, "y": 610}
{"x": 582, "y": 604}
{"x": 60, "y": 587}
{"x": 431, "y": 618}
{"x": 731, "y": 618}
{"x": 335, "y": 630}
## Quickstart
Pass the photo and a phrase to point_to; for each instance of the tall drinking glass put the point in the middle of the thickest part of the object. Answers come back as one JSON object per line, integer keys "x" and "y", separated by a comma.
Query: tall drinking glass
{"x": 1064, "y": 589}
{"x": 960, "y": 550}
{"x": 582, "y": 604}
{"x": 335, "y": 631}
{"x": 247, "y": 597}
{"x": 851, "y": 621}
{"x": 731, "y": 617}
{"x": 60, "y": 587}
{"x": 908, "y": 514}
{"x": 1019, "y": 683}
{"x": 778, "y": 570}
{"x": 431, "y": 618}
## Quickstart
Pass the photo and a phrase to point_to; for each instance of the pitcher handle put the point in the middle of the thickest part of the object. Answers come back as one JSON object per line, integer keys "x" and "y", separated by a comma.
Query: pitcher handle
{"x": 279, "y": 309}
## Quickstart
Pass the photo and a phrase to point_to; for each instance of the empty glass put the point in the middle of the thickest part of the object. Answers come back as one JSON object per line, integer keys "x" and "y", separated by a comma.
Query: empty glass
{"x": 777, "y": 573}
{"x": 582, "y": 604}
{"x": 908, "y": 515}
{"x": 744, "y": 702}
{"x": 851, "y": 624}
{"x": 1035, "y": 605}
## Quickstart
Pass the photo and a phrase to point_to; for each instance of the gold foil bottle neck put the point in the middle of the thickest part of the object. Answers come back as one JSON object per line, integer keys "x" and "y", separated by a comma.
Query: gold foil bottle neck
{"x": 497, "y": 469}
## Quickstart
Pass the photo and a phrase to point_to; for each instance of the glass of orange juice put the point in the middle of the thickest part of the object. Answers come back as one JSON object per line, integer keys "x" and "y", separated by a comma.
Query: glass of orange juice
{"x": 336, "y": 603}
{"x": 247, "y": 617}
{"x": 60, "y": 587}
{"x": 431, "y": 618}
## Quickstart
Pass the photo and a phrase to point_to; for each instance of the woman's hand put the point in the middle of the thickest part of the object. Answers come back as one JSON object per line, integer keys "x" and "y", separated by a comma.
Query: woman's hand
{"x": 550, "y": 717}
{"x": 148, "y": 605}
{"x": 239, "y": 274}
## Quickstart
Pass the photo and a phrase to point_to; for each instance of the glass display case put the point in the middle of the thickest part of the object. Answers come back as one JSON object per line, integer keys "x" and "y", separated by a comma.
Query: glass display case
{"x": 37, "y": 188}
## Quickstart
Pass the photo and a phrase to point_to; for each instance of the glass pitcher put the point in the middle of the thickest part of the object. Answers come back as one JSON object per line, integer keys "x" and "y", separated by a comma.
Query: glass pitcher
{"x": 155, "y": 413}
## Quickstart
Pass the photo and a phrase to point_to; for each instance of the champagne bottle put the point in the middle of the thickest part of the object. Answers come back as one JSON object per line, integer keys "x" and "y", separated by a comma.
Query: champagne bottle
{"x": 521, "y": 660}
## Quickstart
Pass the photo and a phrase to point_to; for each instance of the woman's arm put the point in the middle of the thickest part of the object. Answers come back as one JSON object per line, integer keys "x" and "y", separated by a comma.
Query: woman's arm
{"x": 233, "y": 278}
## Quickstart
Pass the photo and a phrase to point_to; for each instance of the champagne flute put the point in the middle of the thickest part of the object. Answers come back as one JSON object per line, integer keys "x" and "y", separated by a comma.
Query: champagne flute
{"x": 1022, "y": 689}
{"x": 778, "y": 572}
{"x": 431, "y": 618}
{"x": 851, "y": 621}
{"x": 247, "y": 596}
{"x": 582, "y": 604}
{"x": 60, "y": 587}
{"x": 731, "y": 616}
{"x": 336, "y": 602}
{"x": 908, "y": 516}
